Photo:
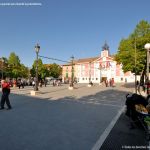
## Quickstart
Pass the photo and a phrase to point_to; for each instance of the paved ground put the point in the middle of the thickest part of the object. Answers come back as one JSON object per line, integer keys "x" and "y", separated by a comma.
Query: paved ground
{"x": 60, "y": 119}
{"x": 122, "y": 136}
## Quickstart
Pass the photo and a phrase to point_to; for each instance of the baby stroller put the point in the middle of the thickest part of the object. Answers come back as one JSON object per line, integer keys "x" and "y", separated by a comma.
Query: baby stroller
{"x": 137, "y": 112}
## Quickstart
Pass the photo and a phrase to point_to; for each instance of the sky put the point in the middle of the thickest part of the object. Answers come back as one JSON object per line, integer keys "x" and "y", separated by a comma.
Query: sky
{"x": 66, "y": 27}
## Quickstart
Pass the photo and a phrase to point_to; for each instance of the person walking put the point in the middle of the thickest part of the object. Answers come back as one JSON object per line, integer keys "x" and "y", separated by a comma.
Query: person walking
{"x": 106, "y": 83}
{"x": 5, "y": 95}
{"x": 110, "y": 82}
{"x": 33, "y": 83}
{"x": 45, "y": 82}
{"x": 19, "y": 83}
{"x": 22, "y": 83}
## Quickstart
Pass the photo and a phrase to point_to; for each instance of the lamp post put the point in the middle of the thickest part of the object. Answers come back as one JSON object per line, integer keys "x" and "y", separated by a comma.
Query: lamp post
{"x": 72, "y": 71}
{"x": 135, "y": 57}
{"x": 37, "y": 49}
{"x": 147, "y": 47}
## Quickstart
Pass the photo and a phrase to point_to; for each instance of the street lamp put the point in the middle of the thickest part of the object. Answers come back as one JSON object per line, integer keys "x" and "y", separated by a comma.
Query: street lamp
{"x": 135, "y": 58}
{"x": 37, "y": 49}
{"x": 147, "y": 47}
{"x": 72, "y": 71}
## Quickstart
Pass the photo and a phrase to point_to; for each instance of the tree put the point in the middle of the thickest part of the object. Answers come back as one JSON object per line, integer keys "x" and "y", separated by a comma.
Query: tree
{"x": 14, "y": 68}
{"x": 25, "y": 73}
{"x": 13, "y": 59}
{"x": 45, "y": 70}
{"x": 42, "y": 70}
{"x": 55, "y": 70}
{"x": 131, "y": 51}
{"x": 3, "y": 66}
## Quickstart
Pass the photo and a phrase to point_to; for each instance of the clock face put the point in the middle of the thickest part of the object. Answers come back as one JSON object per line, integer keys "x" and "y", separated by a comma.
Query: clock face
{"x": 104, "y": 58}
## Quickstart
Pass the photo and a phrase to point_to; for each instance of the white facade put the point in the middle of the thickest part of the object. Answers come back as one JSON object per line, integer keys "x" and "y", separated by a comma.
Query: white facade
{"x": 99, "y": 69}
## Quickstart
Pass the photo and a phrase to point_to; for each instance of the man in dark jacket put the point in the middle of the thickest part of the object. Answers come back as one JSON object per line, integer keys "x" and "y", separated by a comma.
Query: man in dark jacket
{"x": 5, "y": 95}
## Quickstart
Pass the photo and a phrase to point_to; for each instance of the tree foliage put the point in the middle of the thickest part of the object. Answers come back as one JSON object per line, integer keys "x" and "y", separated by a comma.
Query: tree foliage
{"x": 42, "y": 70}
{"x": 131, "y": 51}
{"x": 14, "y": 68}
{"x": 13, "y": 59}
{"x": 55, "y": 70}
{"x": 45, "y": 70}
{"x": 3, "y": 66}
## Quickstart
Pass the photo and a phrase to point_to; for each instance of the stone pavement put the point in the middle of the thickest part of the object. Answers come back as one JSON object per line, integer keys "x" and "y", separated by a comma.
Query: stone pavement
{"x": 57, "y": 92}
{"x": 60, "y": 119}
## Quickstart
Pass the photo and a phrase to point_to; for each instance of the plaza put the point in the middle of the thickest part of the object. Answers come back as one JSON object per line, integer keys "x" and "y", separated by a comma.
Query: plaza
{"x": 61, "y": 119}
{"x": 70, "y": 66}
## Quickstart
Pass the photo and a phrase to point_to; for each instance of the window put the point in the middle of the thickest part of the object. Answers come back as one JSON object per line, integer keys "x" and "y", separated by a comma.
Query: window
{"x": 67, "y": 75}
{"x": 83, "y": 67}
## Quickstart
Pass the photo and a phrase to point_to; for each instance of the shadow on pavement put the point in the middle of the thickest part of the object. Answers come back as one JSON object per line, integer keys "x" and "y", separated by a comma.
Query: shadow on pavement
{"x": 129, "y": 85}
{"x": 66, "y": 123}
{"x": 123, "y": 137}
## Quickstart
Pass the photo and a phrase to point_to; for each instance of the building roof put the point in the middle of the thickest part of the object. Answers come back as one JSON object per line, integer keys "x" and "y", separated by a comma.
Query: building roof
{"x": 87, "y": 59}
{"x": 84, "y": 60}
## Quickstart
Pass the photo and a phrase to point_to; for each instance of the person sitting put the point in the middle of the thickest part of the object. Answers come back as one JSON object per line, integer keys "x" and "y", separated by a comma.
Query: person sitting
{"x": 91, "y": 83}
{"x": 133, "y": 100}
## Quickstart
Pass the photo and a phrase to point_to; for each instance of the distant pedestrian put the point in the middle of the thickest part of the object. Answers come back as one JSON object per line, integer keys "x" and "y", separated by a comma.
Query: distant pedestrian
{"x": 45, "y": 82}
{"x": 91, "y": 83}
{"x": 110, "y": 82}
{"x": 54, "y": 82}
{"x": 19, "y": 84}
{"x": 33, "y": 83}
{"x": 40, "y": 83}
{"x": 5, "y": 95}
{"x": 106, "y": 83}
{"x": 22, "y": 83}
{"x": 137, "y": 82}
